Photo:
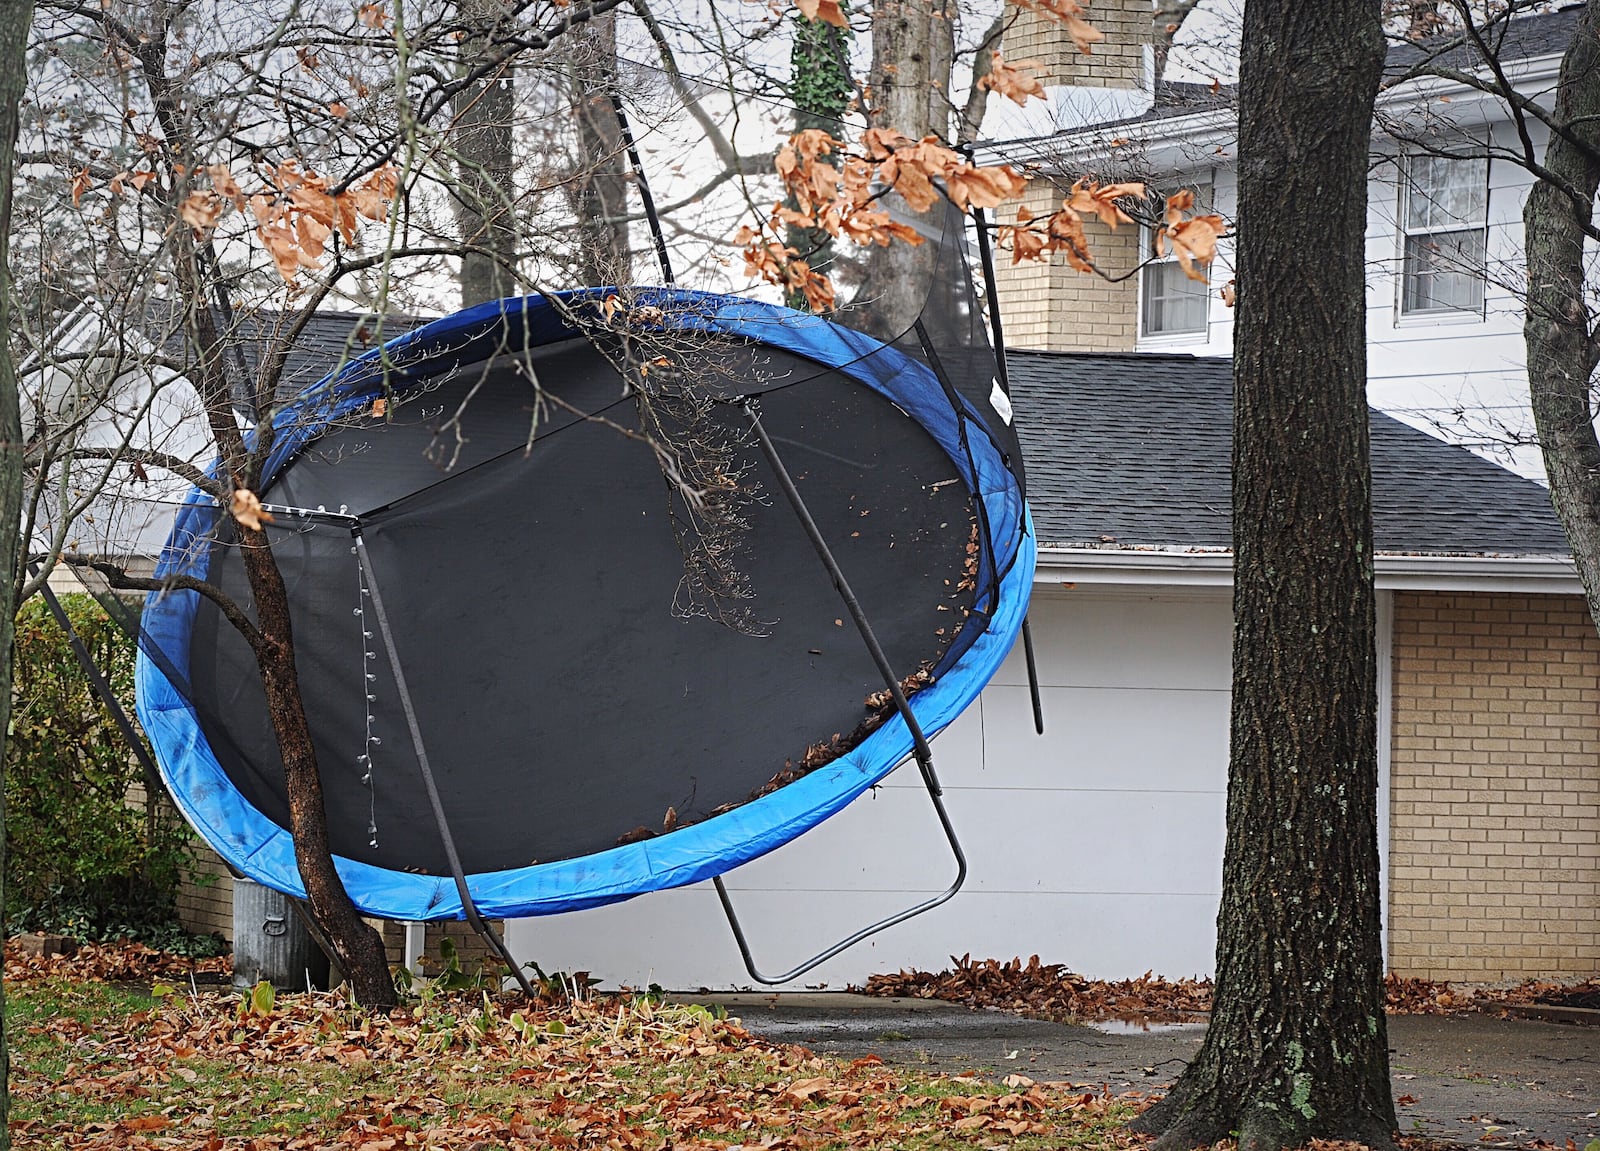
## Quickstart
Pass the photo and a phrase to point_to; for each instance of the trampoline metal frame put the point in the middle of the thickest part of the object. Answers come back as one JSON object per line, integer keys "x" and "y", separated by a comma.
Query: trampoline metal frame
{"x": 921, "y": 750}
{"x": 475, "y": 921}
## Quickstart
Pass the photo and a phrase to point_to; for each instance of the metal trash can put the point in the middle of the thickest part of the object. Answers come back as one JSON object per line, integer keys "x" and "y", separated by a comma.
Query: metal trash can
{"x": 271, "y": 943}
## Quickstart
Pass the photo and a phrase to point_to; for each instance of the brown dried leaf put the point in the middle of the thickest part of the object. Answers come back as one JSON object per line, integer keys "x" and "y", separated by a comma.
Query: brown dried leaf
{"x": 201, "y": 209}
{"x": 828, "y": 11}
{"x": 247, "y": 509}
{"x": 1072, "y": 14}
{"x": 1016, "y": 82}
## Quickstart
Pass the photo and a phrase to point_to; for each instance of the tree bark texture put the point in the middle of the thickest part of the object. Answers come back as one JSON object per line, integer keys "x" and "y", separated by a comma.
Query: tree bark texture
{"x": 15, "y": 20}
{"x": 1562, "y": 351}
{"x": 1297, "y": 1045}
{"x": 359, "y": 947}
{"x": 913, "y": 43}
{"x": 485, "y": 192}
{"x": 600, "y": 184}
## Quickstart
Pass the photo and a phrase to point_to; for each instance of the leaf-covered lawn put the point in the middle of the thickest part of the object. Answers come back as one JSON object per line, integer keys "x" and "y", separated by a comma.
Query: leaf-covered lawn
{"x": 102, "y": 1065}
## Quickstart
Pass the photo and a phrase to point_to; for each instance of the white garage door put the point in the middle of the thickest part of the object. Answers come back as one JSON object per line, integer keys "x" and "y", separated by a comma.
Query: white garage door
{"x": 1097, "y": 845}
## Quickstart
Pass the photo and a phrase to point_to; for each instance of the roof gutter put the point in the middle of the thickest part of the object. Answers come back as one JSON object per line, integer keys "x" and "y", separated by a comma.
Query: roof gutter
{"x": 1540, "y": 574}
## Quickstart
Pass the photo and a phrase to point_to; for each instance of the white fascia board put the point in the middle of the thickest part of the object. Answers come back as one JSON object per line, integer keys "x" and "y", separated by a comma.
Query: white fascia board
{"x": 1169, "y": 144}
{"x": 1120, "y": 566}
{"x": 1145, "y": 140}
{"x": 1546, "y": 575}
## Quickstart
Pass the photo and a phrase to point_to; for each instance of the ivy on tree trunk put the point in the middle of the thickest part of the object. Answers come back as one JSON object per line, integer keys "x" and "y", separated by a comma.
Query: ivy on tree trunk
{"x": 1297, "y": 1045}
{"x": 820, "y": 89}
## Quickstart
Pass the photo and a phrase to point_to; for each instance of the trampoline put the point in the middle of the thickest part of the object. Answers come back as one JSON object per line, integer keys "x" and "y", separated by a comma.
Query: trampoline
{"x": 527, "y": 695}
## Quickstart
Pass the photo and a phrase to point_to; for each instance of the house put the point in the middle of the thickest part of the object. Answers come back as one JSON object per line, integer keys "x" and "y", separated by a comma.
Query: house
{"x": 1099, "y": 844}
{"x": 1444, "y": 236}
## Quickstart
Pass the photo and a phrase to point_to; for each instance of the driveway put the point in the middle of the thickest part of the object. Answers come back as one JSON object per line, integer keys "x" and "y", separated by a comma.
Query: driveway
{"x": 1474, "y": 1079}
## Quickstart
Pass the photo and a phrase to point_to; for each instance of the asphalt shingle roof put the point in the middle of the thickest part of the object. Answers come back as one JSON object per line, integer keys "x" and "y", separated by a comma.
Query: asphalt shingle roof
{"x": 1526, "y": 37}
{"x": 1137, "y": 447}
{"x": 327, "y": 340}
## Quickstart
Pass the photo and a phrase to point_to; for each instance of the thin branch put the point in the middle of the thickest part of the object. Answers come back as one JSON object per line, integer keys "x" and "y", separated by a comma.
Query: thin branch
{"x": 120, "y": 580}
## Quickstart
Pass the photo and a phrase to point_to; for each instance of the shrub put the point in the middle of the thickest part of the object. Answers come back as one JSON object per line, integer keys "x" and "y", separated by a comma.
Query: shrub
{"x": 88, "y": 852}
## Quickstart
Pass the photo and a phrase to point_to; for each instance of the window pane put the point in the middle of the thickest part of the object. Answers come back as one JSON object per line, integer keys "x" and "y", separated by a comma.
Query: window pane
{"x": 1444, "y": 272}
{"x": 1442, "y": 193}
{"x": 1173, "y": 303}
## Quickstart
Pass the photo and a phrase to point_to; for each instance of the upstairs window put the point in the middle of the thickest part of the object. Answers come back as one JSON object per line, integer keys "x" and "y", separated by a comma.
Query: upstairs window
{"x": 1170, "y": 303}
{"x": 1443, "y": 221}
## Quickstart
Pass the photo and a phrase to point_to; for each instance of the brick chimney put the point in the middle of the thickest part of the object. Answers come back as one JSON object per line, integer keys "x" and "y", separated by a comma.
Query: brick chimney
{"x": 1050, "y": 306}
{"x": 1121, "y": 60}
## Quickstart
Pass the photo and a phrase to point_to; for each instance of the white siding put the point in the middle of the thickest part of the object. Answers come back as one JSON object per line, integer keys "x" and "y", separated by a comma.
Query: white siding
{"x": 1098, "y": 845}
{"x": 1462, "y": 377}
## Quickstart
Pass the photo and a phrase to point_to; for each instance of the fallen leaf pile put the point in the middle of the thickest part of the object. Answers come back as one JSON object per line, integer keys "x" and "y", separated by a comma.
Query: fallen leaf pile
{"x": 1423, "y": 997}
{"x": 120, "y": 962}
{"x": 212, "y": 1072}
{"x": 1051, "y": 991}
{"x": 1537, "y": 993}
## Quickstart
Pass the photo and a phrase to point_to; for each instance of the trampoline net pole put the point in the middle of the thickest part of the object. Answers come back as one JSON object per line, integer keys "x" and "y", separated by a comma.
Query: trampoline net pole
{"x": 919, "y": 741}
{"x": 154, "y": 784}
{"x": 645, "y": 197}
{"x": 986, "y": 255}
{"x": 482, "y": 929}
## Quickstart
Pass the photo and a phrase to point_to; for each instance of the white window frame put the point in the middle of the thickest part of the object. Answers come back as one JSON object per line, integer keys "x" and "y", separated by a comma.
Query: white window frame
{"x": 1423, "y": 212}
{"x": 1205, "y": 194}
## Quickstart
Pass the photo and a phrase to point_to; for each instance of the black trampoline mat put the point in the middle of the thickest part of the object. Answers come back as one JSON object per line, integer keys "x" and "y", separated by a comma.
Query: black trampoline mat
{"x": 564, "y": 704}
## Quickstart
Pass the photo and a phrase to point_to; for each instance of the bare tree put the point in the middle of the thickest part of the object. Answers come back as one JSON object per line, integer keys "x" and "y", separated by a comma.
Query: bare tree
{"x": 205, "y": 160}
{"x": 14, "y": 22}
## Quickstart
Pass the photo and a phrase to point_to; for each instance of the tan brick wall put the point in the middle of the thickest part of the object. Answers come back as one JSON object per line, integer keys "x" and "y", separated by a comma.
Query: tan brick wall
{"x": 205, "y": 901}
{"x": 1052, "y": 307}
{"x": 1495, "y": 788}
{"x": 1116, "y": 62}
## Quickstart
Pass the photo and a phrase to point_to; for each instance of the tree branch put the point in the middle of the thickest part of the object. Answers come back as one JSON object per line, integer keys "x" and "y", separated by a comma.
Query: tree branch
{"x": 119, "y": 580}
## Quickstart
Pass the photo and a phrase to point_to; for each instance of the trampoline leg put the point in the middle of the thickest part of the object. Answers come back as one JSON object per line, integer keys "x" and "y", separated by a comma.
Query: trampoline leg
{"x": 469, "y": 909}
{"x": 153, "y": 783}
{"x": 872, "y": 929}
{"x": 416, "y": 945}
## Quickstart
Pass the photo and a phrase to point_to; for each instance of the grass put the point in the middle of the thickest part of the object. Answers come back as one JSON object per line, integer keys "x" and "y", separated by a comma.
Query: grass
{"x": 108, "y": 1065}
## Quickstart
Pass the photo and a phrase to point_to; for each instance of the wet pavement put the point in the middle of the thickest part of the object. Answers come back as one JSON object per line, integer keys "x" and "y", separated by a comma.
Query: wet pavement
{"x": 1470, "y": 1079}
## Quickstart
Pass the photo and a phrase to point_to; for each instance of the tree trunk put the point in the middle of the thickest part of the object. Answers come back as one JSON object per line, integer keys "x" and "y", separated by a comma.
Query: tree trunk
{"x": 1561, "y": 350}
{"x": 357, "y": 944}
{"x": 600, "y": 186}
{"x": 485, "y": 187}
{"x": 913, "y": 42}
{"x": 15, "y": 20}
{"x": 1297, "y": 1046}
{"x": 360, "y": 949}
